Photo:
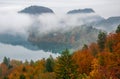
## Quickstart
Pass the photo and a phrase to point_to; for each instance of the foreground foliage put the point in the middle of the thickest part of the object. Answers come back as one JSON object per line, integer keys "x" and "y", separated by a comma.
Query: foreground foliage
{"x": 66, "y": 67}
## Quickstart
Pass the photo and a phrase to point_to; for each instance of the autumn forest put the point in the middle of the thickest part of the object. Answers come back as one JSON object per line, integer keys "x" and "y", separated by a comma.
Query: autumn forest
{"x": 99, "y": 60}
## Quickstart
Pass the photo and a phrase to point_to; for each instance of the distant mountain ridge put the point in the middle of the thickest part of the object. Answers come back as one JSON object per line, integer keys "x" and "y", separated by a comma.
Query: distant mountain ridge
{"x": 109, "y": 24}
{"x": 88, "y": 14}
{"x": 36, "y": 10}
{"x": 86, "y": 10}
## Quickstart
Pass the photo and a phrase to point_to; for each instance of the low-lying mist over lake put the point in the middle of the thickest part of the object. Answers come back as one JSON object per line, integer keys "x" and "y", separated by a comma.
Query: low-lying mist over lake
{"x": 22, "y": 54}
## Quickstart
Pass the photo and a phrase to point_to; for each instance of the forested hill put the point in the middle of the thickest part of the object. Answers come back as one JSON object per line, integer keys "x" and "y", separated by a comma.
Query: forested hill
{"x": 58, "y": 41}
{"x": 36, "y": 10}
{"x": 77, "y": 11}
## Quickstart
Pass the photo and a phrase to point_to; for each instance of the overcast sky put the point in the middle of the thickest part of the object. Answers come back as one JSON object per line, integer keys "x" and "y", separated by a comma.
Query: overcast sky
{"x": 105, "y": 8}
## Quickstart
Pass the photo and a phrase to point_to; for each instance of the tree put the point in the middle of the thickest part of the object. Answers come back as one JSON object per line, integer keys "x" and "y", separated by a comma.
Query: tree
{"x": 26, "y": 62}
{"x": 84, "y": 47}
{"x": 66, "y": 68}
{"x": 6, "y": 77}
{"x": 31, "y": 62}
{"x": 49, "y": 64}
{"x": 83, "y": 59}
{"x": 94, "y": 74}
{"x": 93, "y": 49}
{"x": 22, "y": 76}
{"x": 24, "y": 69}
{"x": 118, "y": 29}
{"x": 6, "y": 61}
{"x": 101, "y": 40}
{"x": 3, "y": 70}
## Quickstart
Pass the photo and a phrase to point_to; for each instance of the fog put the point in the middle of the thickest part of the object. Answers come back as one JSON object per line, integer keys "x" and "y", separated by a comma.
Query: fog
{"x": 47, "y": 23}
{"x": 19, "y": 23}
{"x": 22, "y": 54}
{"x": 14, "y": 23}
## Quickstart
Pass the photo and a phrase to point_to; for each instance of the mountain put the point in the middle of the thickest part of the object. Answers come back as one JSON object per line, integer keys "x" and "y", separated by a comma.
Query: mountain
{"x": 109, "y": 24}
{"x": 36, "y": 10}
{"x": 77, "y": 11}
{"x": 71, "y": 39}
{"x": 72, "y": 31}
{"x": 56, "y": 41}
{"x": 96, "y": 20}
{"x": 88, "y": 16}
{"x": 16, "y": 40}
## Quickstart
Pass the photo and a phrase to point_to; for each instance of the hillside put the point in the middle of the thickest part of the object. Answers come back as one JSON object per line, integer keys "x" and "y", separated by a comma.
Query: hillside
{"x": 16, "y": 40}
{"x": 109, "y": 24}
{"x": 71, "y": 39}
{"x": 36, "y": 10}
{"x": 77, "y": 11}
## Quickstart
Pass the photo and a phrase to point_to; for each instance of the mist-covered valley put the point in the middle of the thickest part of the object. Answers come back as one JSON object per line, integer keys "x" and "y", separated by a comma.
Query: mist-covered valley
{"x": 44, "y": 31}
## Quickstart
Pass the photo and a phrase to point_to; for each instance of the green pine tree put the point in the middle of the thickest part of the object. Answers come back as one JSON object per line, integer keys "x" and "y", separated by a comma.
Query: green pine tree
{"x": 6, "y": 61}
{"x": 85, "y": 47}
{"x": 66, "y": 67}
{"x": 5, "y": 77}
{"x": 31, "y": 62}
{"x": 49, "y": 64}
{"x": 118, "y": 29}
{"x": 101, "y": 40}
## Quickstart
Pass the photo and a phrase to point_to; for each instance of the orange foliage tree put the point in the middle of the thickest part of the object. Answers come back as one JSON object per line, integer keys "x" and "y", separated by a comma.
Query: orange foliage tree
{"x": 83, "y": 59}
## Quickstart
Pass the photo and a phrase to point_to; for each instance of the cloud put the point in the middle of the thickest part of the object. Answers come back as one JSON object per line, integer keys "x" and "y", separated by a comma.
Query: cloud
{"x": 22, "y": 24}
{"x": 14, "y": 23}
{"x": 22, "y": 54}
{"x": 47, "y": 23}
